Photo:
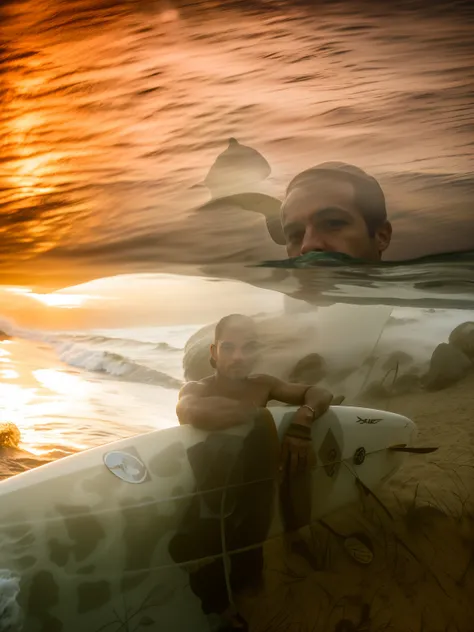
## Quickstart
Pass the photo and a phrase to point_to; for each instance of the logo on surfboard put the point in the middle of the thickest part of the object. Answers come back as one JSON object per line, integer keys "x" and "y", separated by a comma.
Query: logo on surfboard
{"x": 361, "y": 420}
{"x": 359, "y": 456}
{"x": 126, "y": 466}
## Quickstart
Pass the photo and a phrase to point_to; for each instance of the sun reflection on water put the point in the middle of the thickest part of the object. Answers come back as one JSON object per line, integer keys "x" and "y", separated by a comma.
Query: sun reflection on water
{"x": 60, "y": 382}
{"x": 40, "y": 403}
{"x": 14, "y": 403}
{"x": 9, "y": 374}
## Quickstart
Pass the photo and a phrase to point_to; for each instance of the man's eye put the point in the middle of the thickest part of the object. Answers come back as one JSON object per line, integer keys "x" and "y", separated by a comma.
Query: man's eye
{"x": 252, "y": 347}
{"x": 336, "y": 223}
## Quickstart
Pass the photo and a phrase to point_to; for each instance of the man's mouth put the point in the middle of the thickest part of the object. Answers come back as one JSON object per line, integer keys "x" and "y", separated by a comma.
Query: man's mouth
{"x": 237, "y": 367}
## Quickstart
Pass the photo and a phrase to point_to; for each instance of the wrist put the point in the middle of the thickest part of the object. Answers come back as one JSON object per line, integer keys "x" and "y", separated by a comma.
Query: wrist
{"x": 304, "y": 415}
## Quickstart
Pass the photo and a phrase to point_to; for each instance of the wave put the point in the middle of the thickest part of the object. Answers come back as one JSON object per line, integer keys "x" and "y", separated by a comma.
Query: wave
{"x": 116, "y": 365}
{"x": 119, "y": 342}
{"x": 10, "y": 613}
{"x": 123, "y": 358}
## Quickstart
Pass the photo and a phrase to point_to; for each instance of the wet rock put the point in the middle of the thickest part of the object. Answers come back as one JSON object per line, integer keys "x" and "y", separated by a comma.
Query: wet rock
{"x": 462, "y": 337}
{"x": 383, "y": 389}
{"x": 196, "y": 360}
{"x": 309, "y": 370}
{"x": 376, "y": 390}
{"x": 448, "y": 365}
{"x": 4, "y": 336}
{"x": 204, "y": 334}
{"x": 397, "y": 358}
{"x": 407, "y": 383}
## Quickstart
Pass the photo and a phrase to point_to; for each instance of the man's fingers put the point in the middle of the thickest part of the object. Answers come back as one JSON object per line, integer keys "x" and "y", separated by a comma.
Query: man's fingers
{"x": 283, "y": 456}
{"x": 294, "y": 456}
{"x": 307, "y": 458}
{"x": 302, "y": 461}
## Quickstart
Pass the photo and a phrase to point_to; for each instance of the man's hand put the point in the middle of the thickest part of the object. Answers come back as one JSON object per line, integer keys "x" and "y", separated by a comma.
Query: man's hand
{"x": 319, "y": 399}
{"x": 297, "y": 456}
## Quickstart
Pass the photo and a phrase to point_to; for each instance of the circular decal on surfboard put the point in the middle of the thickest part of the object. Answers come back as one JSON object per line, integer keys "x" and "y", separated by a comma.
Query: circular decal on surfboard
{"x": 359, "y": 456}
{"x": 126, "y": 466}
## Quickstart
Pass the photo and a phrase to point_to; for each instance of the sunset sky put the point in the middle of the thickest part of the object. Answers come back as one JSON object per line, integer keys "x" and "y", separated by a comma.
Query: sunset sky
{"x": 133, "y": 300}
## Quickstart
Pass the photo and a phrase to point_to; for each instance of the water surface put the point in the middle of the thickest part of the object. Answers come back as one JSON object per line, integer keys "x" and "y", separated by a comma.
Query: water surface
{"x": 112, "y": 111}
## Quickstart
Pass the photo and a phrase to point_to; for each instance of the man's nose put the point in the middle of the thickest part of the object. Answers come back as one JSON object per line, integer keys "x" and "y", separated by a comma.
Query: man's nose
{"x": 312, "y": 242}
{"x": 238, "y": 355}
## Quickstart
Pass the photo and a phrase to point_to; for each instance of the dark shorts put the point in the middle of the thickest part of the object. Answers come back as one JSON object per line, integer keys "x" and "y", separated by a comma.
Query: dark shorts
{"x": 250, "y": 464}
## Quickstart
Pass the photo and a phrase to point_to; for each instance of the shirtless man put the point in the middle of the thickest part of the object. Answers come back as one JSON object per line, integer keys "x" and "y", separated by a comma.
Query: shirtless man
{"x": 233, "y": 397}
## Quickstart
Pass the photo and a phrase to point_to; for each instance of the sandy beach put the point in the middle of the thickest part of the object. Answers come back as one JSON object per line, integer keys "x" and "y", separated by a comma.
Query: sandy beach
{"x": 422, "y": 574}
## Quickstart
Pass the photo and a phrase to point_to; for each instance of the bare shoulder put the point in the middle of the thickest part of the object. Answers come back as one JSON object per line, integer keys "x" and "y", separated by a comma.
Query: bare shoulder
{"x": 196, "y": 389}
{"x": 263, "y": 379}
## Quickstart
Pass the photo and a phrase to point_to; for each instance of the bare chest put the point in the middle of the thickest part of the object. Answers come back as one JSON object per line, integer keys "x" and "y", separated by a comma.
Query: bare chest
{"x": 247, "y": 392}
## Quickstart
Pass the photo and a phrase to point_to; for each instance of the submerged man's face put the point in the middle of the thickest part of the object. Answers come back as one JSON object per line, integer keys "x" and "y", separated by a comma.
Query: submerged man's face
{"x": 235, "y": 354}
{"x": 322, "y": 216}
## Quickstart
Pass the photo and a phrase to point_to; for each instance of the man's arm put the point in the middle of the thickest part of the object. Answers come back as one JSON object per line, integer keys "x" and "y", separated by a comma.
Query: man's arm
{"x": 307, "y": 397}
{"x": 211, "y": 412}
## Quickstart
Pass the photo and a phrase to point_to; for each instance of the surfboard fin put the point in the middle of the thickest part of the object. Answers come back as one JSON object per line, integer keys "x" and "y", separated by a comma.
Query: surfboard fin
{"x": 404, "y": 448}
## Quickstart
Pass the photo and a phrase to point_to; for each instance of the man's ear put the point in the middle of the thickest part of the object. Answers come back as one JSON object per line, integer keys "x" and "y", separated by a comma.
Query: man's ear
{"x": 383, "y": 236}
{"x": 212, "y": 359}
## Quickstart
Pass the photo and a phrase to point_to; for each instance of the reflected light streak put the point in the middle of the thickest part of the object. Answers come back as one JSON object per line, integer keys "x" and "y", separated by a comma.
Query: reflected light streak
{"x": 31, "y": 411}
{"x": 14, "y": 403}
{"x": 60, "y": 382}
{"x": 30, "y": 169}
{"x": 54, "y": 299}
{"x": 9, "y": 374}
{"x": 170, "y": 15}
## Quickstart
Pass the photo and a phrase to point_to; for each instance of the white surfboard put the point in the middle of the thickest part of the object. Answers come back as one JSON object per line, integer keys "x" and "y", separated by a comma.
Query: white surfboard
{"x": 89, "y": 536}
